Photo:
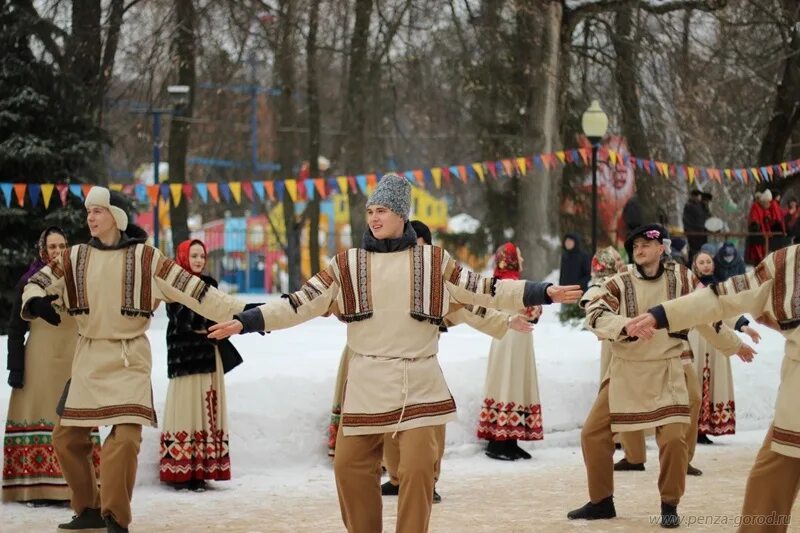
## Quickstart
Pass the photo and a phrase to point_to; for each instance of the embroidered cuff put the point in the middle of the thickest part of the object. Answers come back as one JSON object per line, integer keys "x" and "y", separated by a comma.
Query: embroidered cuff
{"x": 536, "y": 294}
{"x": 252, "y": 320}
{"x": 660, "y": 315}
{"x": 742, "y": 322}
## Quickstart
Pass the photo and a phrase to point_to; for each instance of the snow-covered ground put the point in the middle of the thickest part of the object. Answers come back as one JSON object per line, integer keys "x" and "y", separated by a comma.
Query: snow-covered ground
{"x": 279, "y": 403}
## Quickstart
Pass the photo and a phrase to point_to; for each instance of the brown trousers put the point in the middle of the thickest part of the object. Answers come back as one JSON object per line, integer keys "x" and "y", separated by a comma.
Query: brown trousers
{"x": 357, "y": 466}
{"x": 597, "y": 443}
{"x": 772, "y": 488}
{"x": 391, "y": 455}
{"x": 118, "y": 461}
{"x": 633, "y": 441}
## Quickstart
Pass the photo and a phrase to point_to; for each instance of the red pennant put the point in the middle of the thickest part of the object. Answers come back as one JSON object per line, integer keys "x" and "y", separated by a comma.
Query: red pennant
{"x": 247, "y": 187}
{"x": 492, "y": 168}
{"x": 187, "y": 190}
{"x": 63, "y": 191}
{"x": 446, "y": 174}
{"x": 351, "y": 180}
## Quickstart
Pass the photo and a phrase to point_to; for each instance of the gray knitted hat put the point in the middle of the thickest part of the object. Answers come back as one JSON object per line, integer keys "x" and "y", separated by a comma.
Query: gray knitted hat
{"x": 393, "y": 192}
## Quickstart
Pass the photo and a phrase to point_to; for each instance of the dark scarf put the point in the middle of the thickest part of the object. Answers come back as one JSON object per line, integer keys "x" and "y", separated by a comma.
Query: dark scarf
{"x": 649, "y": 278}
{"x": 133, "y": 234}
{"x": 707, "y": 280}
{"x": 407, "y": 240}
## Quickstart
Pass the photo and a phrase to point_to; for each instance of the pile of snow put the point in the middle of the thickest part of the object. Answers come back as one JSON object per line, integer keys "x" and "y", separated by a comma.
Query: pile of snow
{"x": 463, "y": 223}
{"x": 279, "y": 399}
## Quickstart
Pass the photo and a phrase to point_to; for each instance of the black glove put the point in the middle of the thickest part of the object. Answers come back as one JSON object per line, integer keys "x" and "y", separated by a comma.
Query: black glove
{"x": 42, "y": 307}
{"x": 247, "y": 307}
{"x": 15, "y": 378}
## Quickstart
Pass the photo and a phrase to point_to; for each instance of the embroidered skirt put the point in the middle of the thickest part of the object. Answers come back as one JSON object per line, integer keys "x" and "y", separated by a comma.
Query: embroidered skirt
{"x": 717, "y": 406}
{"x": 511, "y": 409}
{"x": 194, "y": 439}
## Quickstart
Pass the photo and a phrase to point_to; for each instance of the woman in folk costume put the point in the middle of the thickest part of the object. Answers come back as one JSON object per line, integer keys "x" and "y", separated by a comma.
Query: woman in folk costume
{"x": 38, "y": 370}
{"x": 769, "y": 292}
{"x": 111, "y": 286}
{"x": 511, "y": 410}
{"x": 717, "y": 407}
{"x": 194, "y": 437}
{"x": 393, "y": 295}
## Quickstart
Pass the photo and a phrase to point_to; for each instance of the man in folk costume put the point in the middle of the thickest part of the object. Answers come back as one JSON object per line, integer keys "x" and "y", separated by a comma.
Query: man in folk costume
{"x": 770, "y": 292}
{"x": 645, "y": 386}
{"x": 393, "y": 295}
{"x": 111, "y": 285}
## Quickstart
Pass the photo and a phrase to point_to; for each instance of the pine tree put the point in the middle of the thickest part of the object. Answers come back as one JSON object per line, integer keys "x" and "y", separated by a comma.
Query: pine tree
{"x": 44, "y": 138}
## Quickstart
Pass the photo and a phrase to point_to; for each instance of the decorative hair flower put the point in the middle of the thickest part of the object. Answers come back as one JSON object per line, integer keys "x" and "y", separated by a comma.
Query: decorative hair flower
{"x": 652, "y": 234}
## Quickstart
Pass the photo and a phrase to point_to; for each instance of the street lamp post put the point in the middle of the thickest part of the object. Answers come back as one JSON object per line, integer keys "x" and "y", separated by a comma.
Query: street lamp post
{"x": 179, "y": 96}
{"x": 595, "y": 125}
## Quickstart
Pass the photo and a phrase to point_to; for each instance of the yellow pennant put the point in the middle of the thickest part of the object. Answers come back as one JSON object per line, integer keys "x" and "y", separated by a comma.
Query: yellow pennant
{"x": 561, "y": 156}
{"x": 436, "y": 174}
{"x": 756, "y": 174}
{"x": 478, "y": 168}
{"x": 115, "y": 187}
{"x": 291, "y": 188}
{"x": 612, "y": 157}
{"x": 342, "y": 181}
{"x": 236, "y": 190}
{"x": 663, "y": 168}
{"x": 47, "y": 193}
{"x": 175, "y": 190}
{"x": 784, "y": 168}
{"x": 523, "y": 166}
{"x": 690, "y": 172}
{"x": 728, "y": 173}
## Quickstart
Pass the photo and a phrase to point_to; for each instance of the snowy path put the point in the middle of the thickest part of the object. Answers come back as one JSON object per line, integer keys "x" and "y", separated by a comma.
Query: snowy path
{"x": 480, "y": 495}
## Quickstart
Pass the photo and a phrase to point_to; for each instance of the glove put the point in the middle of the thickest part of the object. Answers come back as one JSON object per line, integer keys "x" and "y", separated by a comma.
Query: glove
{"x": 247, "y": 307}
{"x": 42, "y": 307}
{"x": 15, "y": 378}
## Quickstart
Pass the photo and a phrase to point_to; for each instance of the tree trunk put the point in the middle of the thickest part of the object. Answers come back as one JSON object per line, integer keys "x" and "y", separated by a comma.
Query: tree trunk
{"x": 786, "y": 110}
{"x": 116, "y": 10}
{"x": 355, "y": 115}
{"x": 313, "y": 133}
{"x": 537, "y": 227}
{"x": 180, "y": 126}
{"x": 284, "y": 62}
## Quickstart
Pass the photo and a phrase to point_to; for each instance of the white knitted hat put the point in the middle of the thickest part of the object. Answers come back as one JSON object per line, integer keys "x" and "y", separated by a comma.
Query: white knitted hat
{"x": 102, "y": 197}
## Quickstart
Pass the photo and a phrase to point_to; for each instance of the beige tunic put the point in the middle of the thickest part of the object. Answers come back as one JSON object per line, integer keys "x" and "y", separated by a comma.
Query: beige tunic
{"x": 112, "y": 294}
{"x": 771, "y": 290}
{"x": 647, "y": 386}
{"x": 394, "y": 380}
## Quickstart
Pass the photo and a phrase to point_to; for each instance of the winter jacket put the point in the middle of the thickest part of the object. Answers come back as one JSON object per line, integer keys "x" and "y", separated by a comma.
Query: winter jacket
{"x": 576, "y": 265}
{"x": 694, "y": 217}
{"x": 189, "y": 350}
{"x": 724, "y": 269}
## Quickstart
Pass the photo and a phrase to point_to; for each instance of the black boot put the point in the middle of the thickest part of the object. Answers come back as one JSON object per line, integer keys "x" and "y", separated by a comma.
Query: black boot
{"x": 617, "y": 446}
{"x": 602, "y": 510}
{"x": 197, "y": 485}
{"x": 499, "y": 449}
{"x": 88, "y": 519}
{"x": 669, "y": 516}
{"x": 692, "y": 471}
{"x": 519, "y": 452}
{"x": 436, "y": 497}
{"x": 623, "y": 465}
{"x": 389, "y": 489}
{"x": 702, "y": 438}
{"x": 113, "y": 527}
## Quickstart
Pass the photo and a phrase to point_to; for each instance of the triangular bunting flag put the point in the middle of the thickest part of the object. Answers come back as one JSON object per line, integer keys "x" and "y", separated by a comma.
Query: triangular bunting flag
{"x": 471, "y": 176}
{"x": 372, "y": 181}
{"x": 291, "y": 187}
{"x": 165, "y": 191}
{"x": 115, "y": 187}
{"x": 75, "y": 190}
{"x": 492, "y": 167}
{"x": 361, "y": 179}
{"x": 236, "y": 191}
{"x": 462, "y": 172}
{"x": 352, "y": 185}
{"x": 319, "y": 183}
{"x": 522, "y": 166}
{"x": 333, "y": 186}
{"x": 202, "y": 190}
{"x": 270, "y": 187}
{"x": 34, "y": 192}
{"x": 478, "y": 168}
{"x": 213, "y": 191}
{"x": 613, "y": 157}
{"x": 258, "y": 188}
{"x": 86, "y": 187}
{"x": 409, "y": 175}
{"x": 247, "y": 187}
{"x": 280, "y": 190}
{"x": 586, "y": 154}
{"x": 19, "y": 192}
{"x": 446, "y": 175}
{"x": 419, "y": 177}
{"x": 187, "y": 190}
{"x": 452, "y": 172}
{"x": 691, "y": 174}
{"x": 310, "y": 190}
{"x": 537, "y": 161}
{"x": 508, "y": 168}
{"x": 62, "y": 189}
{"x": 436, "y": 174}
{"x": 47, "y": 193}
{"x": 225, "y": 191}
{"x": 561, "y": 156}
{"x": 6, "y": 188}
{"x": 152, "y": 193}
{"x": 341, "y": 181}
{"x": 176, "y": 190}
{"x": 140, "y": 192}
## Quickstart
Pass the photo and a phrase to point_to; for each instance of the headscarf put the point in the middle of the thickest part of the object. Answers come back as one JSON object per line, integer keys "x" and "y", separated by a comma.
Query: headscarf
{"x": 43, "y": 257}
{"x": 182, "y": 254}
{"x": 605, "y": 263}
{"x": 506, "y": 261}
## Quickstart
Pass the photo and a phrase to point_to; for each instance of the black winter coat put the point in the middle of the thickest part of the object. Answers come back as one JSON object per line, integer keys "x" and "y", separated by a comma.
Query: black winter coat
{"x": 576, "y": 265}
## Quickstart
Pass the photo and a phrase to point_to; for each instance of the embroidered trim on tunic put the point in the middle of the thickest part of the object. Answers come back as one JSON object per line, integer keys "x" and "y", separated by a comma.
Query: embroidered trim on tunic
{"x": 112, "y": 411}
{"x": 41, "y": 279}
{"x": 310, "y": 290}
{"x": 779, "y": 290}
{"x": 355, "y": 301}
{"x": 786, "y": 437}
{"x": 426, "y": 265}
{"x": 507, "y": 421}
{"x": 631, "y": 307}
{"x": 652, "y": 416}
{"x": 412, "y": 412}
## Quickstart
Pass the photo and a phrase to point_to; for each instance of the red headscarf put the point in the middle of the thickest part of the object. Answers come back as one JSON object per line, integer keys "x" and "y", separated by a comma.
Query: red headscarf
{"x": 506, "y": 262}
{"x": 182, "y": 255}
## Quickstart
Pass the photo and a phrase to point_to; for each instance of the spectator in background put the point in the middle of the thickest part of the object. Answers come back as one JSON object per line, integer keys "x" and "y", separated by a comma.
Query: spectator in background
{"x": 632, "y": 214}
{"x": 790, "y": 219}
{"x": 764, "y": 219}
{"x": 679, "y": 251}
{"x": 575, "y": 263}
{"x": 695, "y": 214}
{"x": 778, "y": 226}
{"x": 728, "y": 262}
